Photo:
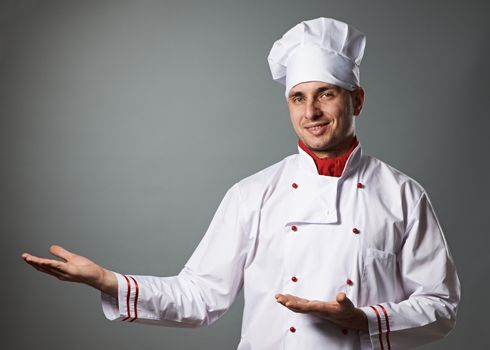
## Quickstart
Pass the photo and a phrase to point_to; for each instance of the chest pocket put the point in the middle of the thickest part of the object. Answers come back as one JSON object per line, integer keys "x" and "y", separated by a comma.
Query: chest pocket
{"x": 378, "y": 277}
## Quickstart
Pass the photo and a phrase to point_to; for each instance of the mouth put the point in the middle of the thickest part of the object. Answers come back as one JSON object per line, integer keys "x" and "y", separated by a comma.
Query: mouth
{"x": 317, "y": 129}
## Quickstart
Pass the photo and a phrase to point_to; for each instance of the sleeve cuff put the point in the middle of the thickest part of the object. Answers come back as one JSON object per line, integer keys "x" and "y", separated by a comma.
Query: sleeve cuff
{"x": 125, "y": 307}
{"x": 379, "y": 326}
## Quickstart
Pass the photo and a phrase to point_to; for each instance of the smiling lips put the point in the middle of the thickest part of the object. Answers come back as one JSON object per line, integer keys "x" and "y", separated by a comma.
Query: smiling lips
{"x": 317, "y": 129}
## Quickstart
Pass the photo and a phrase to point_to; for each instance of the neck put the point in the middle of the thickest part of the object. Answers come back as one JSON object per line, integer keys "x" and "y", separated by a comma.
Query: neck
{"x": 339, "y": 151}
{"x": 330, "y": 166}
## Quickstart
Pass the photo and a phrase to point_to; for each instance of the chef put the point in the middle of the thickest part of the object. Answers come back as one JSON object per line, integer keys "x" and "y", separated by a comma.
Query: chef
{"x": 333, "y": 248}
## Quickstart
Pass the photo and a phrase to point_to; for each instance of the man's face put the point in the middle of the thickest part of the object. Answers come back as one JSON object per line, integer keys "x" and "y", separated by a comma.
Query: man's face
{"x": 323, "y": 115}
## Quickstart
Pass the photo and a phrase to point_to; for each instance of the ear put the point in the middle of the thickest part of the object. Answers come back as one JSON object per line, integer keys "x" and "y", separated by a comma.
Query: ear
{"x": 358, "y": 100}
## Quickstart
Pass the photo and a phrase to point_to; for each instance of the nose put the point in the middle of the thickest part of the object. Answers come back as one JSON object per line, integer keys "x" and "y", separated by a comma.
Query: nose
{"x": 312, "y": 110}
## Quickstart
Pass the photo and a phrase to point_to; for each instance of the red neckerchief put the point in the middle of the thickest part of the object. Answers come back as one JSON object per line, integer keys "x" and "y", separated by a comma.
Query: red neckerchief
{"x": 330, "y": 166}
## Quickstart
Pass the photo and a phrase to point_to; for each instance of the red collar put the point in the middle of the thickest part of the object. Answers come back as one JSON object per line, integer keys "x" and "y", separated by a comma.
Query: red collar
{"x": 330, "y": 166}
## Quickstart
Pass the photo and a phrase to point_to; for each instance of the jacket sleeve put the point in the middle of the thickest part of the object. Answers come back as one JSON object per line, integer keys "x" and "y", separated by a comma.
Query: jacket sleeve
{"x": 430, "y": 287}
{"x": 203, "y": 290}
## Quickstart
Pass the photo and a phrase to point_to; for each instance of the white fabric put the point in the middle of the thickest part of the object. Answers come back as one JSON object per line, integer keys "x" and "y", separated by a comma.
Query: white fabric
{"x": 321, "y": 49}
{"x": 398, "y": 259}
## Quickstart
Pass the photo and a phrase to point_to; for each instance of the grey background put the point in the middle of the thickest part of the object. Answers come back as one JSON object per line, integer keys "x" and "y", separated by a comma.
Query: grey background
{"x": 124, "y": 123}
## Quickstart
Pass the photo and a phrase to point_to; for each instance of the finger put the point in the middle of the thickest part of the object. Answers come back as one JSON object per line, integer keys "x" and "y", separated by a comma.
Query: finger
{"x": 53, "y": 265}
{"x": 283, "y": 298}
{"x": 59, "y": 274}
{"x": 297, "y": 300}
{"x": 60, "y": 252}
{"x": 292, "y": 302}
{"x": 316, "y": 306}
{"x": 42, "y": 261}
{"x": 343, "y": 301}
{"x": 53, "y": 272}
{"x": 296, "y": 303}
{"x": 48, "y": 271}
{"x": 37, "y": 267}
{"x": 298, "y": 307}
{"x": 27, "y": 256}
{"x": 340, "y": 297}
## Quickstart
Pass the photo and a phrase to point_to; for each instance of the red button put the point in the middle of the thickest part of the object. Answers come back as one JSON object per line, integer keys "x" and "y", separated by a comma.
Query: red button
{"x": 355, "y": 230}
{"x": 292, "y": 329}
{"x": 349, "y": 282}
{"x": 345, "y": 331}
{"x": 360, "y": 185}
{"x": 295, "y": 185}
{"x": 294, "y": 228}
{"x": 294, "y": 279}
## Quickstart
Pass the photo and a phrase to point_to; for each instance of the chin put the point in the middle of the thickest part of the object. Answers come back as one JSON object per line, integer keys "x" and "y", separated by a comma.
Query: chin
{"x": 320, "y": 147}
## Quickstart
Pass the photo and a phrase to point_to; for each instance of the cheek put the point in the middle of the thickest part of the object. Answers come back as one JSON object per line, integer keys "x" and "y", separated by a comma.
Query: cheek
{"x": 339, "y": 113}
{"x": 295, "y": 116}
{"x": 296, "y": 125}
{"x": 334, "y": 113}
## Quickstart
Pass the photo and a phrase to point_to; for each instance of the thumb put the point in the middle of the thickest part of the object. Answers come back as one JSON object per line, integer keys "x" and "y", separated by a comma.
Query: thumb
{"x": 60, "y": 252}
{"x": 342, "y": 299}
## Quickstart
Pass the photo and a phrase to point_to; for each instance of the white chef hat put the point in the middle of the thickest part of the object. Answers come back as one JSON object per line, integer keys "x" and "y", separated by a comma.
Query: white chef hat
{"x": 322, "y": 49}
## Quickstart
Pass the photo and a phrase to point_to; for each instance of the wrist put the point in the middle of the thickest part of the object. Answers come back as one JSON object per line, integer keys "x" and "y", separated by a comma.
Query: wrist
{"x": 363, "y": 321}
{"x": 107, "y": 283}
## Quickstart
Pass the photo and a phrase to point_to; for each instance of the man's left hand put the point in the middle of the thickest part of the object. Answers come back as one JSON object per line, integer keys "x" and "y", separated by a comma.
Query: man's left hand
{"x": 341, "y": 311}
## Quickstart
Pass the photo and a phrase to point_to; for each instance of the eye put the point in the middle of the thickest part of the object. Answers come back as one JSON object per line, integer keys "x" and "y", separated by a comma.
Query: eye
{"x": 326, "y": 95}
{"x": 297, "y": 99}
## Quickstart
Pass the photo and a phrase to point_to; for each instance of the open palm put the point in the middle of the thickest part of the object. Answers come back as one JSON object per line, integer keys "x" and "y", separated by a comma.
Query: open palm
{"x": 72, "y": 267}
{"x": 341, "y": 311}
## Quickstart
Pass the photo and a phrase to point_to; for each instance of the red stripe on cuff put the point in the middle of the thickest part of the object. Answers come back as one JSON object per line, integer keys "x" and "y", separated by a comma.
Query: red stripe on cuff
{"x": 387, "y": 326}
{"x": 379, "y": 326}
{"x": 135, "y": 300}
{"x": 127, "y": 299}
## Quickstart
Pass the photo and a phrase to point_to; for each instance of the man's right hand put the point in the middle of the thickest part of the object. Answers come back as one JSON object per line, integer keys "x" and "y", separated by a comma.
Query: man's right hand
{"x": 75, "y": 268}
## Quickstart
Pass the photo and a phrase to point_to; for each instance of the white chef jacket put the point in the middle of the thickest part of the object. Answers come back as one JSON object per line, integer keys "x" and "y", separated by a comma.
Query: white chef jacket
{"x": 372, "y": 233}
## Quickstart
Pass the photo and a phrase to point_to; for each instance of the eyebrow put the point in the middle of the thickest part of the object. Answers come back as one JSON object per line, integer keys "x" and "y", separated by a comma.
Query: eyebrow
{"x": 317, "y": 91}
{"x": 325, "y": 88}
{"x": 295, "y": 94}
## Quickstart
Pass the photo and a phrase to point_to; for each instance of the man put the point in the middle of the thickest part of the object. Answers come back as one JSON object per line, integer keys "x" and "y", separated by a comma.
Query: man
{"x": 334, "y": 249}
